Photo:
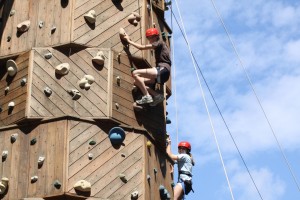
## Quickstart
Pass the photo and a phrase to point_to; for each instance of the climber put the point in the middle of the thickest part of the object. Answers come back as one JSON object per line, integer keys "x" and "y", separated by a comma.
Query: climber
{"x": 185, "y": 164}
{"x": 160, "y": 74}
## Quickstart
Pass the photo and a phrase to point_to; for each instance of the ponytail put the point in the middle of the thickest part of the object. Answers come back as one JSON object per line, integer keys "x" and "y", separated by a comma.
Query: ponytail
{"x": 192, "y": 159}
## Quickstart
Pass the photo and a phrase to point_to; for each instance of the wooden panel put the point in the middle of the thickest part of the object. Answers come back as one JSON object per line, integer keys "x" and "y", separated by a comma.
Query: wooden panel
{"x": 22, "y": 161}
{"x": 49, "y": 13}
{"x": 107, "y": 163}
{"x": 17, "y": 93}
{"x": 92, "y": 103}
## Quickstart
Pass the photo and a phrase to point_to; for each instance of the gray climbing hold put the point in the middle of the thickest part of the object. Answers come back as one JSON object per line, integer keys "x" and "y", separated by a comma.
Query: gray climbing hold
{"x": 34, "y": 179}
{"x": 4, "y": 154}
{"x": 91, "y": 16}
{"x": 75, "y": 94}
{"x": 33, "y": 141}
{"x": 99, "y": 58}
{"x": 3, "y": 185}
{"x": 11, "y": 67}
{"x": 134, "y": 18}
{"x": 53, "y": 29}
{"x": 12, "y": 13}
{"x": 47, "y": 91}
{"x": 41, "y": 161}
{"x": 90, "y": 155}
{"x": 83, "y": 186}
{"x": 117, "y": 105}
{"x": 135, "y": 195}
{"x": 92, "y": 142}
{"x": 155, "y": 170}
{"x": 6, "y": 90}
{"x": 62, "y": 69}
{"x": 118, "y": 78}
{"x": 23, "y": 81}
{"x": 57, "y": 184}
{"x": 123, "y": 178}
{"x": 86, "y": 82}
{"x": 172, "y": 184}
{"x": 41, "y": 24}
{"x": 23, "y": 26}
{"x": 13, "y": 137}
{"x": 48, "y": 55}
{"x": 148, "y": 177}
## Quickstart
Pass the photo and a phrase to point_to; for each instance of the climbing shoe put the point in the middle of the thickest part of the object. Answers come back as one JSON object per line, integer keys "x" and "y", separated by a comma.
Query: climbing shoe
{"x": 145, "y": 99}
{"x": 157, "y": 99}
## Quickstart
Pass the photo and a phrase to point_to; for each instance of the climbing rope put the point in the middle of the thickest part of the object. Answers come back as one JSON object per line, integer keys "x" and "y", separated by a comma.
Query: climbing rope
{"x": 256, "y": 96}
{"x": 174, "y": 78}
{"x": 204, "y": 100}
{"x": 151, "y": 13}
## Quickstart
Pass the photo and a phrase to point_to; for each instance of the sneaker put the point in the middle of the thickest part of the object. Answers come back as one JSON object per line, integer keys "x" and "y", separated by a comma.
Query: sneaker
{"x": 145, "y": 99}
{"x": 157, "y": 99}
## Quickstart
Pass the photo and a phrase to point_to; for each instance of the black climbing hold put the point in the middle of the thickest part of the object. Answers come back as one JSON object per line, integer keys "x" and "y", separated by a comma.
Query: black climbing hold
{"x": 33, "y": 141}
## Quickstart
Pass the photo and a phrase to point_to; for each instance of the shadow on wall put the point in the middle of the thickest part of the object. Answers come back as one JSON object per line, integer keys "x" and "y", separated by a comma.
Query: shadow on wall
{"x": 5, "y": 8}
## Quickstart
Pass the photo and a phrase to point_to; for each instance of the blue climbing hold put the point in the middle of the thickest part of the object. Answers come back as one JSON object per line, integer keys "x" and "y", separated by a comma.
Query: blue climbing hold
{"x": 116, "y": 135}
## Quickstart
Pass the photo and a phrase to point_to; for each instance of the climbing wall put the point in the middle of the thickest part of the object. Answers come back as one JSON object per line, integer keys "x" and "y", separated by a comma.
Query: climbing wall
{"x": 66, "y": 91}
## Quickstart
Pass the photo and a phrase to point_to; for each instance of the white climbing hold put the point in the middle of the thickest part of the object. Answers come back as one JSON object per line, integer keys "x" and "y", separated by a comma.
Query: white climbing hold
{"x": 3, "y": 184}
{"x": 24, "y": 26}
{"x": 122, "y": 33}
{"x": 135, "y": 195}
{"x": 99, "y": 58}
{"x": 91, "y": 16}
{"x": 62, "y": 69}
{"x": 34, "y": 179}
{"x": 75, "y": 94}
{"x": 134, "y": 18}
{"x": 41, "y": 160}
{"x": 83, "y": 186}
{"x": 11, "y": 67}
{"x": 6, "y": 89}
{"x": 47, "y": 91}
{"x": 86, "y": 82}
{"x": 90, "y": 155}
{"x": 4, "y": 154}
{"x": 11, "y": 105}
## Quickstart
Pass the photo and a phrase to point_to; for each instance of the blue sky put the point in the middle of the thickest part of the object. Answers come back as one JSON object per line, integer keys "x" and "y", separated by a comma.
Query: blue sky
{"x": 267, "y": 38}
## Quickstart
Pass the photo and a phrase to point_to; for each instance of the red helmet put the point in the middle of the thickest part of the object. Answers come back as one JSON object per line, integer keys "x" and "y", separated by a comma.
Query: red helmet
{"x": 185, "y": 144}
{"x": 151, "y": 32}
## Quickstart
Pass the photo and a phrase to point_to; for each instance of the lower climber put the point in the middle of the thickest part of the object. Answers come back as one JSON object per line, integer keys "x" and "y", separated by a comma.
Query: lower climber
{"x": 185, "y": 164}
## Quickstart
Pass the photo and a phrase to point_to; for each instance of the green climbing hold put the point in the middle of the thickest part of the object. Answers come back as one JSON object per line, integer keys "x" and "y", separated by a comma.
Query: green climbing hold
{"x": 92, "y": 142}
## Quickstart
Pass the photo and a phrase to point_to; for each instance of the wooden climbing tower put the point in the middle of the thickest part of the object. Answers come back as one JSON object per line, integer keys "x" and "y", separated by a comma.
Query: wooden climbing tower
{"x": 65, "y": 86}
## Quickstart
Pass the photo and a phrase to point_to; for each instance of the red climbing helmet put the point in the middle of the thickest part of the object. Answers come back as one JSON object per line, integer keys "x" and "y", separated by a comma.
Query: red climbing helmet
{"x": 185, "y": 144}
{"x": 151, "y": 32}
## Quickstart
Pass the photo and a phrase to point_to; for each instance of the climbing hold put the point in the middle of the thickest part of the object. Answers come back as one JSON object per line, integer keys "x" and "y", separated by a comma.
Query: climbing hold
{"x": 134, "y": 18}
{"x": 11, "y": 105}
{"x": 123, "y": 178}
{"x": 41, "y": 161}
{"x": 8, "y": 39}
{"x": 11, "y": 67}
{"x": 62, "y": 69}
{"x": 91, "y": 16}
{"x": 164, "y": 194}
{"x": 122, "y": 33}
{"x": 34, "y": 179}
{"x": 86, "y": 81}
{"x": 83, "y": 186}
{"x": 149, "y": 144}
{"x": 57, "y": 184}
{"x": 47, "y": 91}
{"x": 155, "y": 171}
{"x": 4, "y": 154}
{"x": 3, "y": 185}
{"x": 172, "y": 184}
{"x": 118, "y": 80}
{"x": 23, "y": 81}
{"x": 75, "y": 94}
{"x": 116, "y": 135}
{"x": 123, "y": 155}
{"x": 33, "y": 141}
{"x": 48, "y": 55}
{"x": 53, "y": 29}
{"x": 92, "y": 142}
{"x": 99, "y": 58}
{"x": 148, "y": 177}
{"x": 168, "y": 121}
{"x": 6, "y": 90}
{"x": 117, "y": 105}
{"x": 90, "y": 155}
{"x": 41, "y": 24}
{"x": 12, "y": 13}
{"x": 24, "y": 26}
{"x": 1, "y": 109}
{"x": 135, "y": 195}
{"x": 13, "y": 137}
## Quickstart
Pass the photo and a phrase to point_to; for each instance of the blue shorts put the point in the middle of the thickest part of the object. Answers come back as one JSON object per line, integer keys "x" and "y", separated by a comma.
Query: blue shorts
{"x": 162, "y": 75}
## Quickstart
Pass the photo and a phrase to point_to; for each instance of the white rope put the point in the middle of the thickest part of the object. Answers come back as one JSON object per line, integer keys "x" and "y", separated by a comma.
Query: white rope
{"x": 151, "y": 13}
{"x": 206, "y": 107}
{"x": 257, "y": 98}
